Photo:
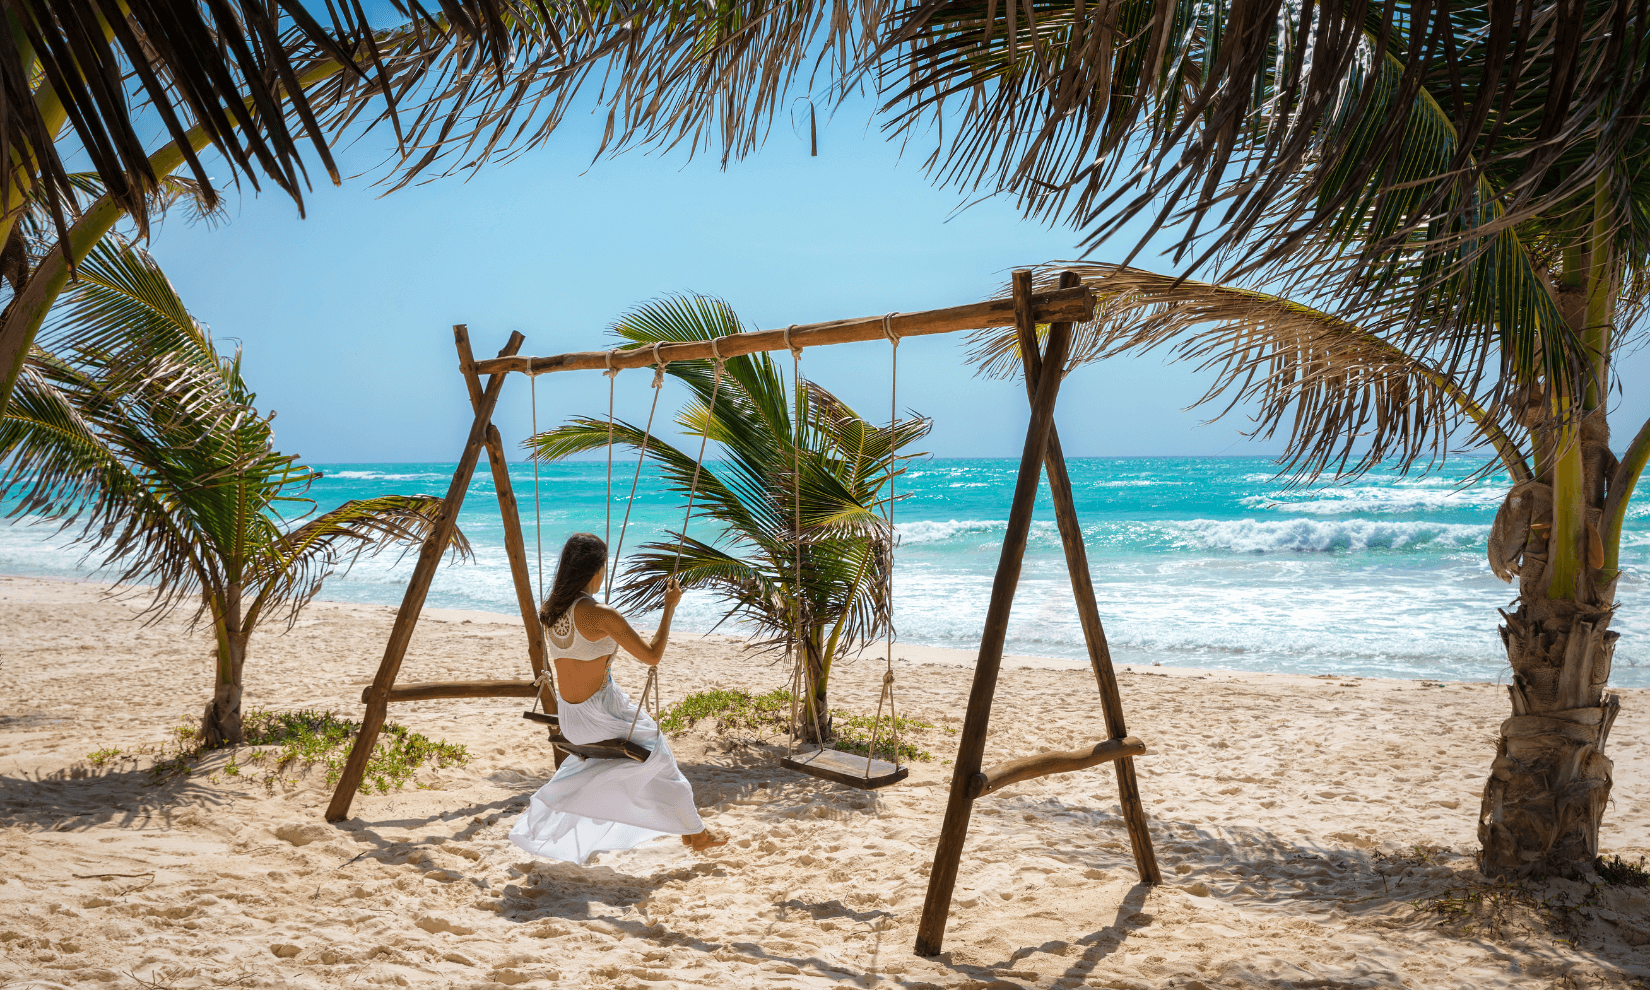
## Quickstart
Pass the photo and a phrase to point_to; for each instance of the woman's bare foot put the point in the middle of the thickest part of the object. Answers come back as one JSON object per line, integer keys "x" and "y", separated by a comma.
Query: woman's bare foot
{"x": 706, "y": 839}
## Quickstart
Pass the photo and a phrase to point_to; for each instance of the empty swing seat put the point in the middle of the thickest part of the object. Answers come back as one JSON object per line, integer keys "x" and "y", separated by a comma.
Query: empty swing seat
{"x": 861, "y": 772}
{"x": 607, "y": 749}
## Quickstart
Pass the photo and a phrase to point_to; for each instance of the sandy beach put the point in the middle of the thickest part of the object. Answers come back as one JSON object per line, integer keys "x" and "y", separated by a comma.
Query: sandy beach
{"x": 1313, "y": 831}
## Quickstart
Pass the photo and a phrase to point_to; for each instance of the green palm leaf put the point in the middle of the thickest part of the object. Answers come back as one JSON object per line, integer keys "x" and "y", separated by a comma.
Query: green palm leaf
{"x": 803, "y": 541}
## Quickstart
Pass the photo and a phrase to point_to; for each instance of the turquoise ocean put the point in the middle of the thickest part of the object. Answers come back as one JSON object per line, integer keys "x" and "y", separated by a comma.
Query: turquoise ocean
{"x": 1197, "y": 562}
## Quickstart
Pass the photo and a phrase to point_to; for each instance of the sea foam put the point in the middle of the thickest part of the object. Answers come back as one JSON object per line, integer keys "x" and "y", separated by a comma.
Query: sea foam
{"x": 1320, "y": 536}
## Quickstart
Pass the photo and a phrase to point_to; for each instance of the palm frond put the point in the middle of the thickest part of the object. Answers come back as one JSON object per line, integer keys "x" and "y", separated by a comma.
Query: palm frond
{"x": 1350, "y": 399}
{"x": 234, "y": 73}
{"x": 1095, "y": 113}
{"x": 798, "y": 502}
{"x": 298, "y": 561}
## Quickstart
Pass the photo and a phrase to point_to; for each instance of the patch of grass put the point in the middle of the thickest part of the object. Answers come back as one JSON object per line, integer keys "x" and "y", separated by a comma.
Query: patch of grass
{"x": 853, "y": 735}
{"x": 102, "y": 757}
{"x": 310, "y": 737}
{"x": 181, "y": 765}
{"x": 1621, "y": 873}
{"x": 731, "y": 710}
{"x": 1488, "y": 909}
{"x": 771, "y": 712}
{"x": 305, "y": 738}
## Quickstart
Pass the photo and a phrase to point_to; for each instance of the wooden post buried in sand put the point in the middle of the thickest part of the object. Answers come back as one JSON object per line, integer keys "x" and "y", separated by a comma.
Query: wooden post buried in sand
{"x": 1082, "y": 586}
{"x": 942, "y": 880}
{"x": 412, "y": 603}
{"x": 515, "y": 548}
{"x": 969, "y": 781}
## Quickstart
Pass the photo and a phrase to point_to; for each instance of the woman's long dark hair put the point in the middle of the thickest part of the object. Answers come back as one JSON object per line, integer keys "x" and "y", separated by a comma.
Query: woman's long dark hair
{"x": 581, "y": 559}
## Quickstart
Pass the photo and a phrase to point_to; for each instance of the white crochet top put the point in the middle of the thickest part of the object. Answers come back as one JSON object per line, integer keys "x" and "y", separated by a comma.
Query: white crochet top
{"x": 567, "y": 642}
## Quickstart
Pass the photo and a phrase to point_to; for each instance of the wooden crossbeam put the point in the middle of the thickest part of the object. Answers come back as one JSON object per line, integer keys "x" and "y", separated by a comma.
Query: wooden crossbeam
{"x": 435, "y": 690}
{"x": 1062, "y": 305}
{"x": 1056, "y": 761}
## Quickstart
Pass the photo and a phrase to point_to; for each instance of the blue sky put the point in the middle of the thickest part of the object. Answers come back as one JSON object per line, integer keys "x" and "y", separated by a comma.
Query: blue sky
{"x": 345, "y": 316}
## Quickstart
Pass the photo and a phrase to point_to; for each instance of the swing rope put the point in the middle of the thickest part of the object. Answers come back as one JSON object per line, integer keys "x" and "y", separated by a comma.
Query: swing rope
{"x": 795, "y": 649}
{"x": 538, "y": 522}
{"x": 717, "y": 368}
{"x": 647, "y": 435}
{"x": 612, "y": 375}
{"x": 887, "y": 694}
{"x": 693, "y": 490}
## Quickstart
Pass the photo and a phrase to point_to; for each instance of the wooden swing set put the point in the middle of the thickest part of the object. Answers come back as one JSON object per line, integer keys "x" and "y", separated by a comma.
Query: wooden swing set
{"x": 1061, "y": 308}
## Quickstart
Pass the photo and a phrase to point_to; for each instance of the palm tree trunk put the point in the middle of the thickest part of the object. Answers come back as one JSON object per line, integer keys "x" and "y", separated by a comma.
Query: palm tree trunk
{"x": 819, "y": 673}
{"x": 1549, "y": 784}
{"x": 1548, "y": 787}
{"x": 221, "y": 723}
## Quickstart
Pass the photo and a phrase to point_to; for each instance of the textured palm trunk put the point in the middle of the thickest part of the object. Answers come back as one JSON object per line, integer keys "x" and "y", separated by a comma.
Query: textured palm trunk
{"x": 818, "y": 709}
{"x": 221, "y": 722}
{"x": 1548, "y": 787}
{"x": 1550, "y": 782}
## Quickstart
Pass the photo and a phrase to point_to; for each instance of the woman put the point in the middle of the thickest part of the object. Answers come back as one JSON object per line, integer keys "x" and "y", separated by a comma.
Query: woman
{"x": 592, "y": 805}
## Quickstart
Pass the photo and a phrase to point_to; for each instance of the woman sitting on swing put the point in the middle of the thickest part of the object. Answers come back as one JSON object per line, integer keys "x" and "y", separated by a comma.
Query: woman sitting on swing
{"x": 593, "y": 805}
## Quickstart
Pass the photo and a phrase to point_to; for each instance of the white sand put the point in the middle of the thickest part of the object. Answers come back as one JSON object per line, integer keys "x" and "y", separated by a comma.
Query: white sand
{"x": 1299, "y": 822}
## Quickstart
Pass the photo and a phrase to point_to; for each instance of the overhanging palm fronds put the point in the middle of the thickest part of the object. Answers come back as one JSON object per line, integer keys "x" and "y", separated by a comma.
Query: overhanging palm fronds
{"x": 816, "y": 573}
{"x": 231, "y": 71}
{"x": 1094, "y": 113}
{"x": 1350, "y": 399}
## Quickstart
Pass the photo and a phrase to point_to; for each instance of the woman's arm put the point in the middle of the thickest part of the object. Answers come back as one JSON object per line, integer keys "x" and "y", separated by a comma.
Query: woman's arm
{"x": 611, "y": 622}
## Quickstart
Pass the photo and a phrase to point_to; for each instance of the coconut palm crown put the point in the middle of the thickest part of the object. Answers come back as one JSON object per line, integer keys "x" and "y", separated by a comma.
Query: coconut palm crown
{"x": 132, "y": 432}
{"x": 816, "y": 574}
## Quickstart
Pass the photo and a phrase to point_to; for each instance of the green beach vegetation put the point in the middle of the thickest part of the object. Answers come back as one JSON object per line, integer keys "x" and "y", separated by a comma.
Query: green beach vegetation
{"x": 803, "y": 548}
{"x": 130, "y": 430}
{"x": 279, "y": 742}
{"x": 762, "y": 714}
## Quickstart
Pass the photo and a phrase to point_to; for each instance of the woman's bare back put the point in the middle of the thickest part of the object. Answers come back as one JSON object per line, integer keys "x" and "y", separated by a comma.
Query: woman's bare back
{"x": 577, "y": 680}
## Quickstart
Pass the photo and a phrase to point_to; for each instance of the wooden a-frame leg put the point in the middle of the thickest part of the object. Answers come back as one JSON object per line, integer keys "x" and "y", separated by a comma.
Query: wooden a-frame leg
{"x": 942, "y": 879}
{"x": 515, "y": 547}
{"x": 412, "y": 603}
{"x": 1082, "y": 586}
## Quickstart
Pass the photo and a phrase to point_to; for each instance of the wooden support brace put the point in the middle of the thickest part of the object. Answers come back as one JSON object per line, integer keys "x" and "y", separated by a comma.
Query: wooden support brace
{"x": 434, "y": 690}
{"x": 942, "y": 879}
{"x": 1082, "y": 586}
{"x": 1059, "y": 761}
{"x": 412, "y": 602}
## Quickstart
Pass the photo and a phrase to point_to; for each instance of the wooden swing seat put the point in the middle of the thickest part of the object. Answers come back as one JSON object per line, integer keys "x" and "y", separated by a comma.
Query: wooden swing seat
{"x": 860, "y": 772}
{"x": 607, "y": 749}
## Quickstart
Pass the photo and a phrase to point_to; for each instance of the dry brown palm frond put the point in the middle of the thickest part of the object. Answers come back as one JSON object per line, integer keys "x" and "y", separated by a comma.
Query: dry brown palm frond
{"x": 1350, "y": 399}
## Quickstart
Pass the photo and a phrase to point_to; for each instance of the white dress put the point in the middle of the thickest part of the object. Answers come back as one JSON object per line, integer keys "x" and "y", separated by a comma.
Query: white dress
{"x": 592, "y": 805}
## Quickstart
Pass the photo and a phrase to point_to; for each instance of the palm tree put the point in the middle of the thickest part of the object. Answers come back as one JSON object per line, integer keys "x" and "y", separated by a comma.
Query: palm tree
{"x": 814, "y": 575}
{"x": 1465, "y": 239}
{"x": 1351, "y": 399}
{"x": 132, "y": 431}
